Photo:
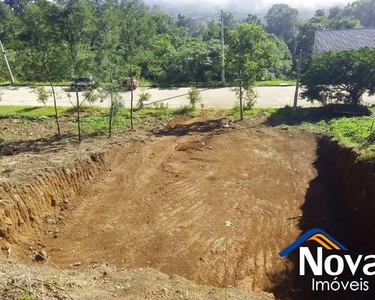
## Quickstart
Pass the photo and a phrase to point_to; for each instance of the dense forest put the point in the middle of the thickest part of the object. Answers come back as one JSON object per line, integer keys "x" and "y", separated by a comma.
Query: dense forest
{"x": 61, "y": 39}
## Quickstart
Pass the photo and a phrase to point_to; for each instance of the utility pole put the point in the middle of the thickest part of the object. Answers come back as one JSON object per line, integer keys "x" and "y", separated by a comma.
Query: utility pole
{"x": 6, "y": 62}
{"x": 222, "y": 49}
{"x": 298, "y": 77}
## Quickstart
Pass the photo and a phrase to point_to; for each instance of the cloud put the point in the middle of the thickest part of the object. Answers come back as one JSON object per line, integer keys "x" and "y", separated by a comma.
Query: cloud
{"x": 196, "y": 8}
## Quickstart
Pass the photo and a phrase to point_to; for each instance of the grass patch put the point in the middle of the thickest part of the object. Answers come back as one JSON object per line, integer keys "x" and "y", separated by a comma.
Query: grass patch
{"x": 149, "y": 83}
{"x": 350, "y": 132}
{"x": 100, "y": 124}
{"x": 248, "y": 113}
{"x": 33, "y": 112}
{"x": 161, "y": 113}
{"x": 210, "y": 113}
{"x": 30, "y": 112}
{"x": 34, "y": 83}
{"x": 353, "y": 131}
{"x": 186, "y": 110}
{"x": 276, "y": 82}
{"x": 88, "y": 110}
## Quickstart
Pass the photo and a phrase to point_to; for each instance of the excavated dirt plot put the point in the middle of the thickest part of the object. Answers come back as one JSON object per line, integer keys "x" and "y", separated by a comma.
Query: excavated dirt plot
{"x": 164, "y": 205}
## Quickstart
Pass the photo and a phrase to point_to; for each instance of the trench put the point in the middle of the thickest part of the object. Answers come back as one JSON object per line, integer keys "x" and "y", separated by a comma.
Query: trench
{"x": 345, "y": 212}
{"x": 163, "y": 206}
{"x": 26, "y": 206}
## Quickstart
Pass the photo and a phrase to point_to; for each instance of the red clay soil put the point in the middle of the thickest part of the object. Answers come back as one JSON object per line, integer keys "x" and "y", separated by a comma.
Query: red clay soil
{"x": 164, "y": 205}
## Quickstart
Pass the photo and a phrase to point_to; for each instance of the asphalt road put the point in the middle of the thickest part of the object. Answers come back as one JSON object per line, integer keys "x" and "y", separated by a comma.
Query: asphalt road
{"x": 175, "y": 97}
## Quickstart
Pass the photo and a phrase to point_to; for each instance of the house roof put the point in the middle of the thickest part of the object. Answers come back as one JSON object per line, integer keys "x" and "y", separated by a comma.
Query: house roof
{"x": 343, "y": 39}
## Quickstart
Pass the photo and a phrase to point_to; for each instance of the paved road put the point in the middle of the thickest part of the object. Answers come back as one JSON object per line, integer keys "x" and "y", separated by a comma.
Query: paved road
{"x": 175, "y": 97}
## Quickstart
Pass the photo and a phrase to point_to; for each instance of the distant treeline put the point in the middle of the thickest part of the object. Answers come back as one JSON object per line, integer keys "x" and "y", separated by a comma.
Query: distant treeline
{"x": 58, "y": 40}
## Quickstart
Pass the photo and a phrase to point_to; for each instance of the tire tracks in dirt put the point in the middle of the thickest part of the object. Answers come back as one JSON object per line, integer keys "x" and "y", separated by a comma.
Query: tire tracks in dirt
{"x": 164, "y": 205}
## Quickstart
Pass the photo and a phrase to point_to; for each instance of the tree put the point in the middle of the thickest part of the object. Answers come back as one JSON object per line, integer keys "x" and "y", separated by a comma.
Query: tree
{"x": 229, "y": 20}
{"x": 190, "y": 62}
{"x": 137, "y": 34}
{"x": 77, "y": 28}
{"x": 250, "y": 51}
{"x": 344, "y": 23}
{"x": 307, "y": 30}
{"x": 340, "y": 77}
{"x": 18, "y": 6}
{"x": 334, "y": 12}
{"x": 45, "y": 54}
{"x": 282, "y": 21}
{"x": 320, "y": 13}
{"x": 192, "y": 26}
{"x": 364, "y": 10}
{"x": 253, "y": 20}
{"x": 283, "y": 60}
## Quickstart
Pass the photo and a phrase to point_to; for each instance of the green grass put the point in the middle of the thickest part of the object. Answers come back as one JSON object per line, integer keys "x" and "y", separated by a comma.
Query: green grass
{"x": 235, "y": 112}
{"x": 30, "y": 112}
{"x": 353, "y": 131}
{"x": 350, "y": 132}
{"x": 148, "y": 83}
{"x": 276, "y": 82}
{"x": 155, "y": 112}
{"x": 34, "y": 83}
{"x": 93, "y": 119}
{"x": 100, "y": 124}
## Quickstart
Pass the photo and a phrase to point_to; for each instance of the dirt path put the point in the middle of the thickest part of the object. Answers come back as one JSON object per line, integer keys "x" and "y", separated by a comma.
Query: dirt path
{"x": 164, "y": 205}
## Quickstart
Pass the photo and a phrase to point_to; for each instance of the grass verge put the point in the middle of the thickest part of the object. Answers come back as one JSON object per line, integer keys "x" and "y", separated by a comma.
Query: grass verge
{"x": 356, "y": 132}
{"x": 148, "y": 83}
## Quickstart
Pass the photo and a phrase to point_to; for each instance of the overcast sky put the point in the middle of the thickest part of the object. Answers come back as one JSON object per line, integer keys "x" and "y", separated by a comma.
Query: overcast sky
{"x": 198, "y": 8}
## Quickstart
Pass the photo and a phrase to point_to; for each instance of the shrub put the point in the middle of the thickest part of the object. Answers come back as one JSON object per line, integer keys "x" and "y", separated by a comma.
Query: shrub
{"x": 42, "y": 95}
{"x": 194, "y": 96}
{"x": 249, "y": 96}
{"x": 340, "y": 77}
{"x": 143, "y": 97}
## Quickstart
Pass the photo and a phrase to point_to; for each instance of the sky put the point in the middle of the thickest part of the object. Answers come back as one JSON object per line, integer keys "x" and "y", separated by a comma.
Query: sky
{"x": 194, "y": 8}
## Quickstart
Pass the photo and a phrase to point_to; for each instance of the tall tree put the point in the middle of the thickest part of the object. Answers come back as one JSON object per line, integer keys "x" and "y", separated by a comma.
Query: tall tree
{"x": 137, "y": 34}
{"x": 253, "y": 20}
{"x": 282, "y": 21}
{"x": 250, "y": 51}
{"x": 44, "y": 55}
{"x": 364, "y": 10}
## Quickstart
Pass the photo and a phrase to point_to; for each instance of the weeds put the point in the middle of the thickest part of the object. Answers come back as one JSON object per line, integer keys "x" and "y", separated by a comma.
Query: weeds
{"x": 194, "y": 96}
{"x": 221, "y": 241}
{"x": 42, "y": 95}
{"x": 143, "y": 97}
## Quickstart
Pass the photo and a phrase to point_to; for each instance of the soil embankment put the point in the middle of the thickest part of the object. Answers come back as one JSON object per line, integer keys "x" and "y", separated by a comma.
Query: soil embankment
{"x": 357, "y": 183}
{"x": 27, "y": 206}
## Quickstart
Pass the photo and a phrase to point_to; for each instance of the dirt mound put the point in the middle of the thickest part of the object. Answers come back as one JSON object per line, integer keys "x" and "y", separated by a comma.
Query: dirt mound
{"x": 103, "y": 281}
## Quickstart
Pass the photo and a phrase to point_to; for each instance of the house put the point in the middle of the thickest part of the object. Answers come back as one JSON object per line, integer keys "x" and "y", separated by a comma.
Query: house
{"x": 343, "y": 39}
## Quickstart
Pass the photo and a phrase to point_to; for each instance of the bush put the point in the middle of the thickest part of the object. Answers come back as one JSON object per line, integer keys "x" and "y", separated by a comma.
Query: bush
{"x": 143, "y": 97}
{"x": 340, "y": 77}
{"x": 249, "y": 96}
{"x": 194, "y": 96}
{"x": 42, "y": 95}
{"x": 93, "y": 95}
